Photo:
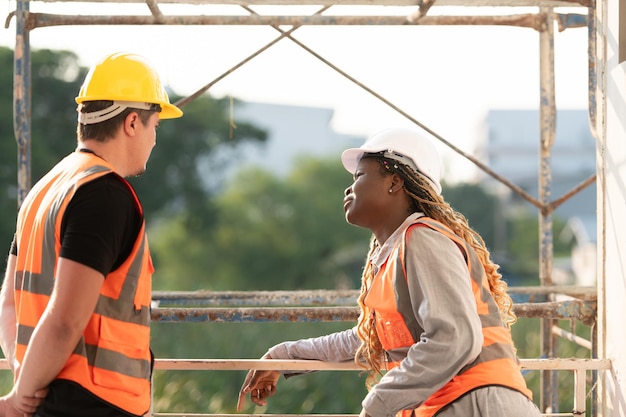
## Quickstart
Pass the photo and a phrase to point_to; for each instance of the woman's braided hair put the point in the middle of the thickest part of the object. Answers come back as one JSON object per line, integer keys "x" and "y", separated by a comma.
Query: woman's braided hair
{"x": 423, "y": 198}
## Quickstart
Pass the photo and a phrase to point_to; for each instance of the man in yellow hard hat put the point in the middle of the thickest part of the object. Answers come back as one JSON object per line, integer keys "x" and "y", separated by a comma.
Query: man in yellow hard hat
{"x": 75, "y": 303}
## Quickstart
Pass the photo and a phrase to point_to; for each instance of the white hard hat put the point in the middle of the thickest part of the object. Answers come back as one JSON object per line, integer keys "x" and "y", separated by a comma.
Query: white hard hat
{"x": 406, "y": 146}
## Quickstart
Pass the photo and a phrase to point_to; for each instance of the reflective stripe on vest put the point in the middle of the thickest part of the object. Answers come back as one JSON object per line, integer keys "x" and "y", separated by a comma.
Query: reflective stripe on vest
{"x": 112, "y": 359}
{"x": 397, "y": 328}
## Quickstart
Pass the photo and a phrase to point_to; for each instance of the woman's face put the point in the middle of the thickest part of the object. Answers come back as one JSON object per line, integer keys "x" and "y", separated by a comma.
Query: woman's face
{"x": 367, "y": 199}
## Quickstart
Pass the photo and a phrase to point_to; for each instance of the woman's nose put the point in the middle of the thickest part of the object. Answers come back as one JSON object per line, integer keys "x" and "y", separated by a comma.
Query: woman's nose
{"x": 348, "y": 191}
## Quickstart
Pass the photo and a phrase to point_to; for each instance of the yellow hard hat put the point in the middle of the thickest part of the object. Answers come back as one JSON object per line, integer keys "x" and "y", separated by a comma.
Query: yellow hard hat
{"x": 130, "y": 78}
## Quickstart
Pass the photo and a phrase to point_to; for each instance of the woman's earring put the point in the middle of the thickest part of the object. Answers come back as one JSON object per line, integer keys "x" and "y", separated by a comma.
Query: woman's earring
{"x": 391, "y": 190}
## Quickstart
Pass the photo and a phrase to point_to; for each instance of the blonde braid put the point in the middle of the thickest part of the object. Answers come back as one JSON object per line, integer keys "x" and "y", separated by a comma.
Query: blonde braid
{"x": 370, "y": 354}
{"x": 434, "y": 206}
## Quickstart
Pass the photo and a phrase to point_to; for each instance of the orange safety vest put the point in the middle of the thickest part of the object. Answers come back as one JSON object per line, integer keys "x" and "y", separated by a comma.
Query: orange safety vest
{"x": 497, "y": 363}
{"x": 112, "y": 359}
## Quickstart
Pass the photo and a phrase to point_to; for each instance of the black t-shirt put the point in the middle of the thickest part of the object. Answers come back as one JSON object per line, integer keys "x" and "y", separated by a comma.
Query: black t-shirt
{"x": 99, "y": 229}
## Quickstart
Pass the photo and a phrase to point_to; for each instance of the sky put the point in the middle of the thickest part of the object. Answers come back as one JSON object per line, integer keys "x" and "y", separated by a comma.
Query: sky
{"x": 445, "y": 77}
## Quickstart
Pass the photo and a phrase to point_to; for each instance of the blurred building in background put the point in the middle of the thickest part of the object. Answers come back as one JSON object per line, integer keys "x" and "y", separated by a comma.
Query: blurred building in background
{"x": 292, "y": 131}
{"x": 512, "y": 148}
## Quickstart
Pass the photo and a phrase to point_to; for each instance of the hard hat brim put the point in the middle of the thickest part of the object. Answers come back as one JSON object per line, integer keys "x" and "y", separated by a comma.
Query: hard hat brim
{"x": 350, "y": 158}
{"x": 169, "y": 111}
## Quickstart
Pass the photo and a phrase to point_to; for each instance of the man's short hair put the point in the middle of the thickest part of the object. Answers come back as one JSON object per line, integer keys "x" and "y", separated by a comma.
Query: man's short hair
{"x": 107, "y": 129}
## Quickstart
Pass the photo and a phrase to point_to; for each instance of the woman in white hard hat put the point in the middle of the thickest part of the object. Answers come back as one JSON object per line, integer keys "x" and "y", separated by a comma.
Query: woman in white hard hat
{"x": 435, "y": 316}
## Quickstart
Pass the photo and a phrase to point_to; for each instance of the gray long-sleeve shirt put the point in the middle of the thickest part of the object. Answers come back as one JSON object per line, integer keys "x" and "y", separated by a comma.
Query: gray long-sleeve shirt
{"x": 444, "y": 307}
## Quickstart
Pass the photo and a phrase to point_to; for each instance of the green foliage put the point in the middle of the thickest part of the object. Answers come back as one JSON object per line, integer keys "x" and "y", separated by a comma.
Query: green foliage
{"x": 8, "y": 154}
{"x": 56, "y": 78}
{"x": 523, "y": 246}
{"x": 512, "y": 240}
{"x": 182, "y": 165}
{"x": 6, "y": 381}
{"x": 477, "y": 205}
{"x": 270, "y": 234}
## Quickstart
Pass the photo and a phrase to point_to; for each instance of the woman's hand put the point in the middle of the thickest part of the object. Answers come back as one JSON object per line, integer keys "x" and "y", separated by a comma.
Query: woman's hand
{"x": 260, "y": 384}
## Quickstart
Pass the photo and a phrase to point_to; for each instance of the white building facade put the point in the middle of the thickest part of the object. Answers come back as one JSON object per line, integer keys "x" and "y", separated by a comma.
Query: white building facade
{"x": 610, "y": 126}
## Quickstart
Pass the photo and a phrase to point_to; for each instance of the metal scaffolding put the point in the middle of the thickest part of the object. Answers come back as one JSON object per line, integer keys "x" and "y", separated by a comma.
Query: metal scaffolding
{"x": 544, "y": 18}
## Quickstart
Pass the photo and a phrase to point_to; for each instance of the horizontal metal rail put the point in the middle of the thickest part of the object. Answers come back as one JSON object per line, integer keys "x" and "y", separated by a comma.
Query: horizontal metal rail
{"x": 475, "y": 3}
{"x": 534, "y": 21}
{"x": 578, "y": 366}
{"x": 257, "y": 298}
{"x": 568, "y": 364}
{"x": 582, "y": 310}
{"x": 160, "y": 364}
{"x": 323, "y": 297}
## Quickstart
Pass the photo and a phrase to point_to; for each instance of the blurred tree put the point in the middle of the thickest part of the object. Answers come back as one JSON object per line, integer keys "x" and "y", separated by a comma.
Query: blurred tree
{"x": 519, "y": 258}
{"x": 8, "y": 155}
{"x": 185, "y": 169}
{"x": 175, "y": 179}
{"x": 477, "y": 205}
{"x": 523, "y": 246}
{"x": 270, "y": 234}
{"x": 56, "y": 78}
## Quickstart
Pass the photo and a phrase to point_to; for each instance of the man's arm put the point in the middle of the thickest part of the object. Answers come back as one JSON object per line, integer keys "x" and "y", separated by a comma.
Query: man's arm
{"x": 8, "y": 327}
{"x": 74, "y": 298}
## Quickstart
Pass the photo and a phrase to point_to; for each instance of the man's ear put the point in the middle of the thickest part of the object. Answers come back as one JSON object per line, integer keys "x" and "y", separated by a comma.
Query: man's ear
{"x": 130, "y": 123}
